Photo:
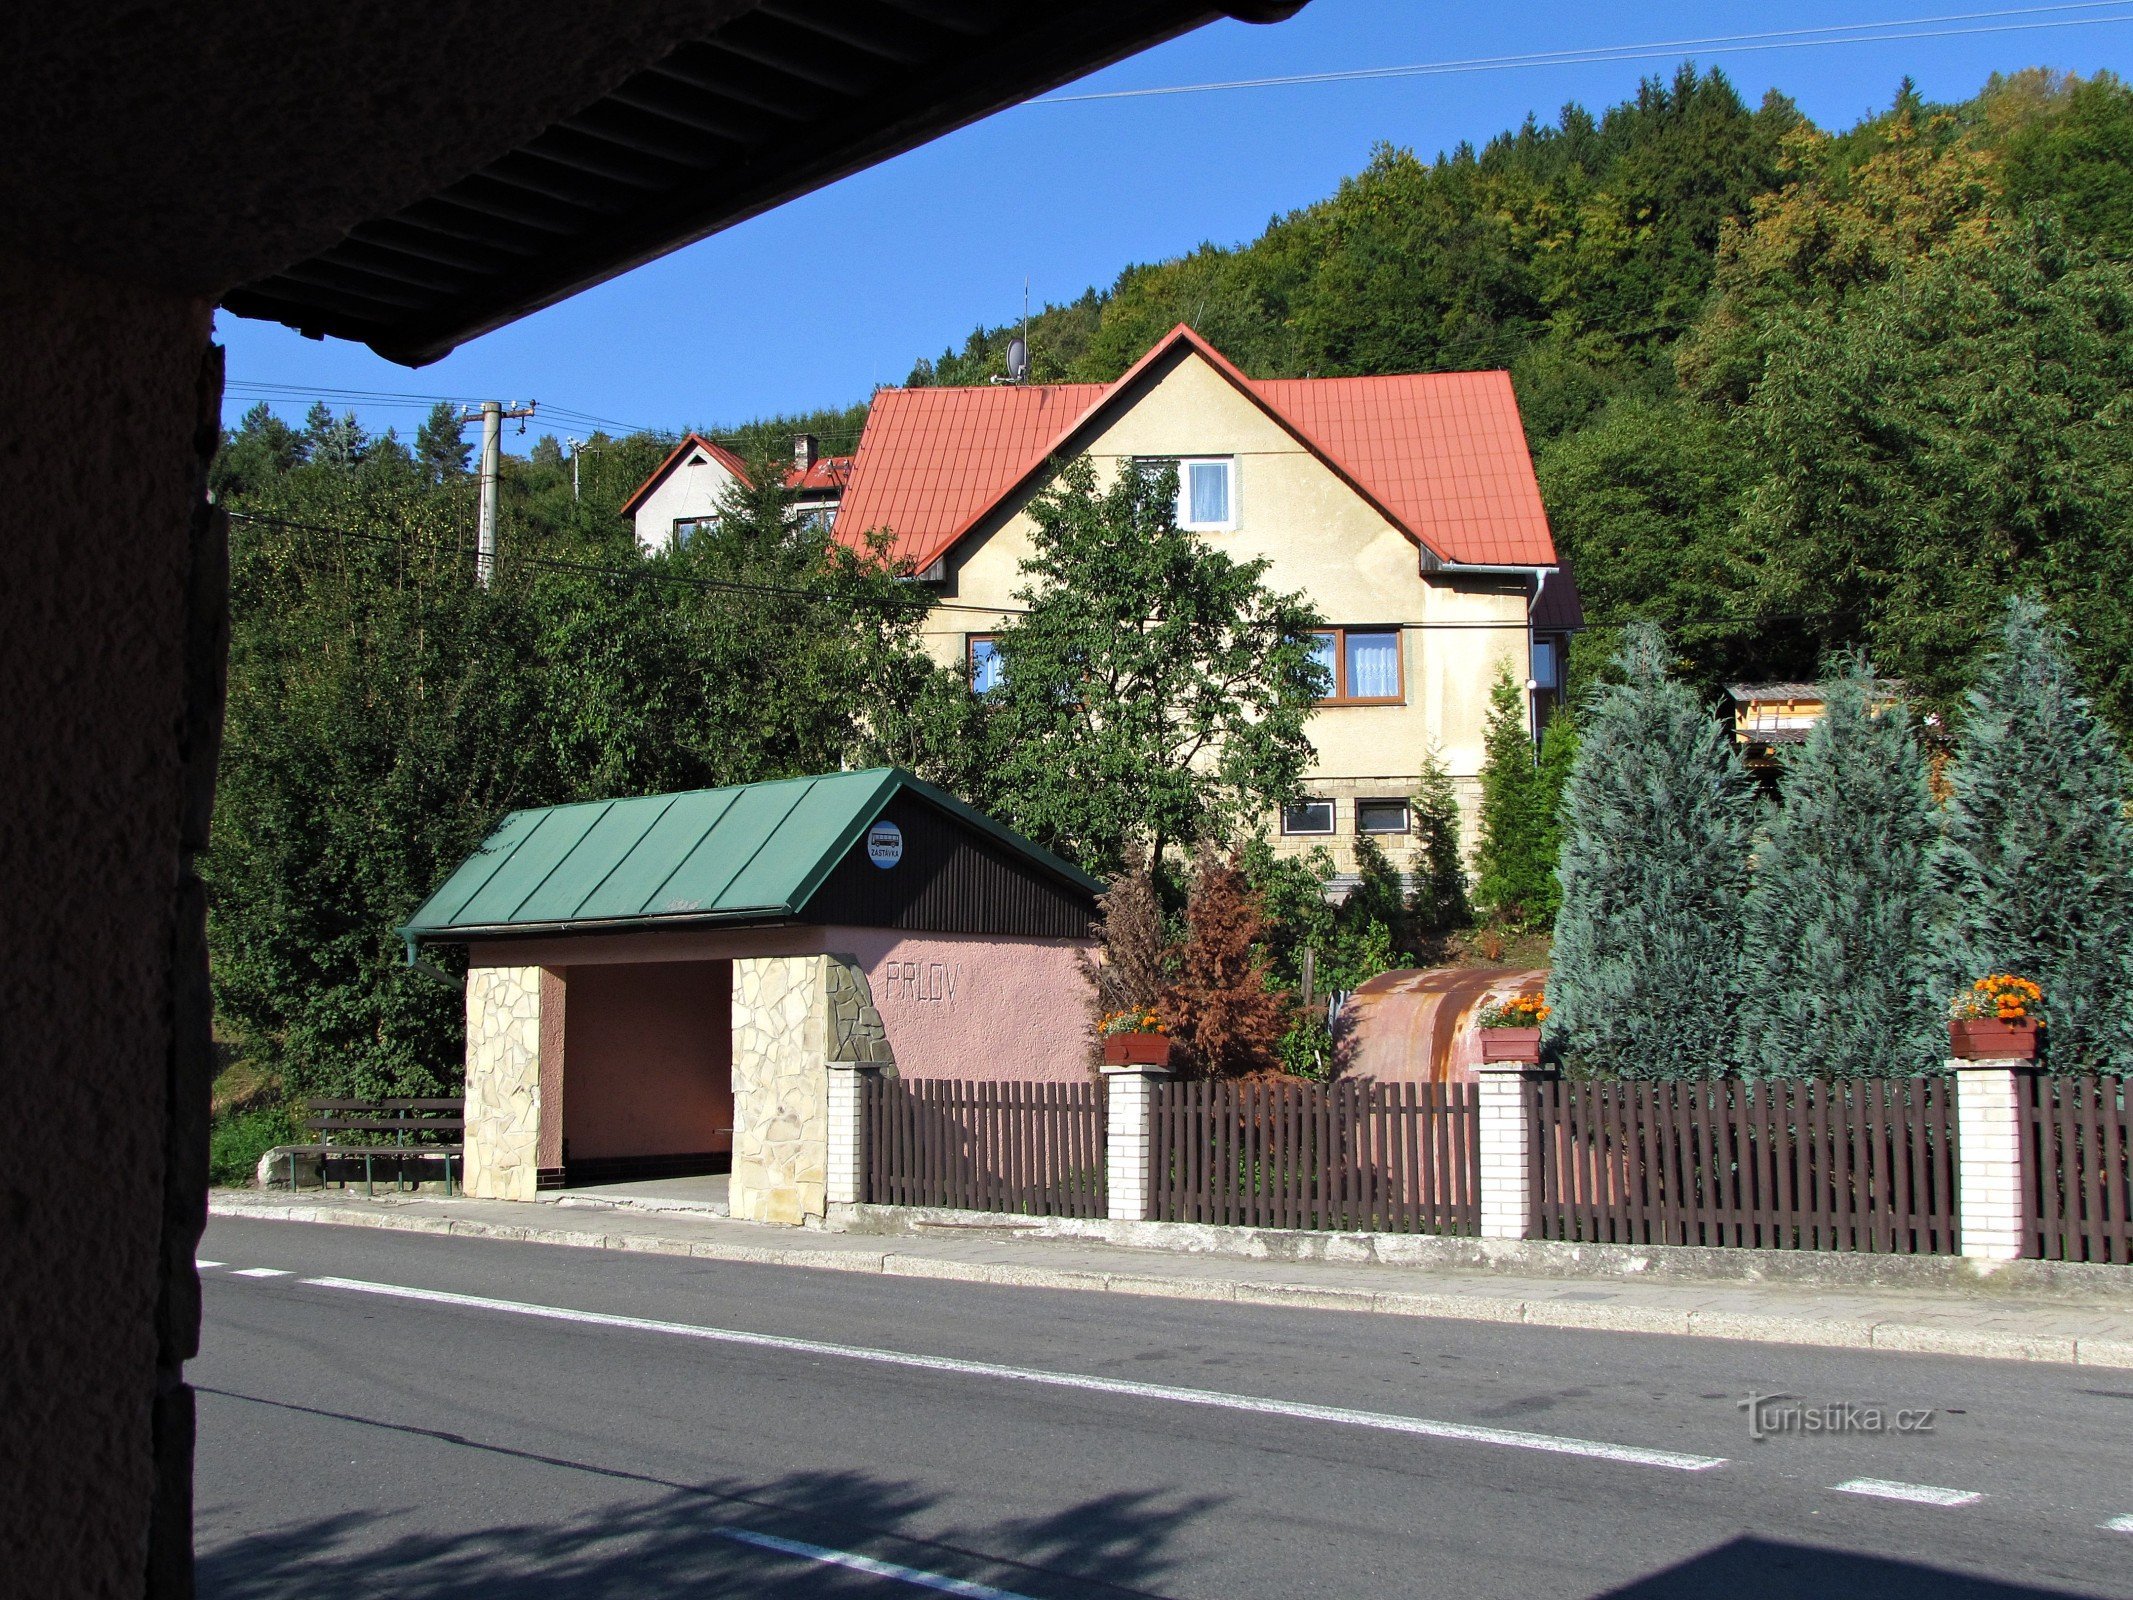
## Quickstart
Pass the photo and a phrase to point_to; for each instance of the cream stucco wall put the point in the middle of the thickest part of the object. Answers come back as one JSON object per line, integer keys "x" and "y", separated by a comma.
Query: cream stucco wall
{"x": 688, "y": 491}
{"x": 1325, "y": 540}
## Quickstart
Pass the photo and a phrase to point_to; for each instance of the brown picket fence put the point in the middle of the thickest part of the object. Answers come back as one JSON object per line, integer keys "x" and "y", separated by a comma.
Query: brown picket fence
{"x": 1799, "y": 1164}
{"x": 1036, "y": 1149}
{"x": 2075, "y": 1151}
{"x": 1380, "y": 1157}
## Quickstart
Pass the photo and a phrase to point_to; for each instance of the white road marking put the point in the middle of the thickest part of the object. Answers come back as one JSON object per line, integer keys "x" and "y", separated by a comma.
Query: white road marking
{"x": 867, "y": 1564}
{"x": 207, "y": 1263}
{"x": 2117, "y": 1525}
{"x": 1924, "y": 1494}
{"x": 259, "y": 1272}
{"x": 1633, "y": 1455}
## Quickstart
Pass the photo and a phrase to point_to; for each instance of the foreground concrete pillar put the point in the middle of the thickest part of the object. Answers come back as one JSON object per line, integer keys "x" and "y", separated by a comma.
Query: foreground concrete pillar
{"x": 1507, "y": 1135}
{"x": 115, "y": 597}
{"x": 1991, "y": 1196}
{"x": 503, "y": 1134}
{"x": 1129, "y": 1102}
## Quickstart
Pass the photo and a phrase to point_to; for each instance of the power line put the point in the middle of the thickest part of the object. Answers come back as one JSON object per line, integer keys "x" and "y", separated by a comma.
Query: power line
{"x": 1718, "y": 44}
{"x": 643, "y": 574}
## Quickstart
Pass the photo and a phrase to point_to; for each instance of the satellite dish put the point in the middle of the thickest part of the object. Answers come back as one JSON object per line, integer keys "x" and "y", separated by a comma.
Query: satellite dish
{"x": 1017, "y": 359}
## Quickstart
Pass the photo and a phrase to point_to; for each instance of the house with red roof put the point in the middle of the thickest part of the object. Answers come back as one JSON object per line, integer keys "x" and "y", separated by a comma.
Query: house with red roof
{"x": 685, "y": 491}
{"x": 1404, "y": 506}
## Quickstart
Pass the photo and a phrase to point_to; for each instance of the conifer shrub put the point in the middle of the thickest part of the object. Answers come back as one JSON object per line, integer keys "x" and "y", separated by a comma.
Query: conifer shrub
{"x": 1509, "y": 879}
{"x": 1838, "y": 971}
{"x": 1437, "y": 904}
{"x": 1658, "y": 816}
{"x": 2036, "y": 855}
{"x": 1225, "y": 1011}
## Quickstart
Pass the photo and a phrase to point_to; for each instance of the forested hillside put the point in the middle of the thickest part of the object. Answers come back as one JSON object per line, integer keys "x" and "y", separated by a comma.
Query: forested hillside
{"x": 1788, "y": 389}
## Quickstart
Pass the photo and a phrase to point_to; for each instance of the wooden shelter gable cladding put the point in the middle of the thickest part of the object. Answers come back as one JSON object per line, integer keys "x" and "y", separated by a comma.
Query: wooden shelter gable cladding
{"x": 951, "y": 879}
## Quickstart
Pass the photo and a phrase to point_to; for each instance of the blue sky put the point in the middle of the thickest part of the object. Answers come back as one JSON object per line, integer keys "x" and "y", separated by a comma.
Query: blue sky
{"x": 817, "y": 303}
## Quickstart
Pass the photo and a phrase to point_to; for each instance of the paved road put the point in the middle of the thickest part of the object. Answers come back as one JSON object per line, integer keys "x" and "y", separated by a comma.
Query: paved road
{"x": 423, "y": 1417}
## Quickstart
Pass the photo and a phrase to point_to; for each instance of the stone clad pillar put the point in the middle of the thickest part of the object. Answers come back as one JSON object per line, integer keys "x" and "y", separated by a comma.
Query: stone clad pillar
{"x": 1128, "y": 1104}
{"x": 503, "y": 1082}
{"x": 1507, "y": 1136}
{"x": 1990, "y": 1195}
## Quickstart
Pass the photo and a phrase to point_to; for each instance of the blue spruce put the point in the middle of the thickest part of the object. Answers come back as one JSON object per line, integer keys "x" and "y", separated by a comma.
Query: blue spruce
{"x": 1658, "y": 816}
{"x": 2036, "y": 858}
{"x": 1838, "y": 973}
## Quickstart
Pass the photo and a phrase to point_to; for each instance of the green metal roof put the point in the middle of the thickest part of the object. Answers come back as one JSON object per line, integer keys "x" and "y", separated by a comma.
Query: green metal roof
{"x": 756, "y": 852}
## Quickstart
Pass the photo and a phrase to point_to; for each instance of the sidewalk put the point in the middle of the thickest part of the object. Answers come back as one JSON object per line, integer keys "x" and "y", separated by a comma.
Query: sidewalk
{"x": 2089, "y": 1323}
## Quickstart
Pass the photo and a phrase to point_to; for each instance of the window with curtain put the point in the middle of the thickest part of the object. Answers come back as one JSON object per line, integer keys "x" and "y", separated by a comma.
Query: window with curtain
{"x": 1362, "y": 664}
{"x": 1373, "y": 666}
{"x": 1207, "y": 489}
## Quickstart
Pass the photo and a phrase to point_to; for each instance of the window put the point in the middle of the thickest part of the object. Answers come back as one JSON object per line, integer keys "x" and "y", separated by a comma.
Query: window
{"x": 1547, "y": 679}
{"x": 1308, "y": 816}
{"x": 1362, "y": 665}
{"x": 687, "y": 528}
{"x": 1207, "y": 491}
{"x": 1381, "y": 816}
{"x": 987, "y": 671}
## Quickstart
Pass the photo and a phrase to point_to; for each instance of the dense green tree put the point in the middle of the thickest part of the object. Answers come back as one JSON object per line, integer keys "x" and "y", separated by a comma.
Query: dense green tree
{"x": 1155, "y": 689}
{"x": 1644, "y": 503}
{"x": 2036, "y": 858}
{"x": 442, "y": 448}
{"x": 1658, "y": 819}
{"x": 1969, "y": 423}
{"x": 385, "y": 710}
{"x": 1839, "y": 973}
{"x": 2072, "y": 152}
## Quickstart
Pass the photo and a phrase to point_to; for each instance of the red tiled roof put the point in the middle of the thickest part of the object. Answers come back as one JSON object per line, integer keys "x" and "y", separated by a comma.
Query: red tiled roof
{"x": 1442, "y": 455}
{"x": 827, "y": 472}
{"x": 695, "y": 441}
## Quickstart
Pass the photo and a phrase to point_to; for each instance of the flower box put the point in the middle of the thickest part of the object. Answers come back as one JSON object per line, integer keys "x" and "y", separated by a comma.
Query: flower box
{"x": 1136, "y": 1049}
{"x": 1989, "y": 1039}
{"x": 1511, "y": 1044}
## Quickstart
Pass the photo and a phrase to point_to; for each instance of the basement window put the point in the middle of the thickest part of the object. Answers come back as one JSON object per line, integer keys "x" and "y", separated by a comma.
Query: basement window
{"x": 1381, "y": 816}
{"x": 1308, "y": 817}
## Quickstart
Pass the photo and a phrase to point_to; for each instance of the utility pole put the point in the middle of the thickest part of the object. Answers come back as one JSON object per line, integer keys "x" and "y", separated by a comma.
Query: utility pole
{"x": 492, "y": 414}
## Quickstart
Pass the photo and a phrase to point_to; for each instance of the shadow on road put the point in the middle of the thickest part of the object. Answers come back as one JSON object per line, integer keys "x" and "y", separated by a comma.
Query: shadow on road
{"x": 1749, "y": 1568}
{"x": 674, "y": 1538}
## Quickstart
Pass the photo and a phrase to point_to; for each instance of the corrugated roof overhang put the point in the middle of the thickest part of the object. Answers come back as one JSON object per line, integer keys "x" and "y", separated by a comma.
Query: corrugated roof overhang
{"x": 753, "y": 854}
{"x": 775, "y": 102}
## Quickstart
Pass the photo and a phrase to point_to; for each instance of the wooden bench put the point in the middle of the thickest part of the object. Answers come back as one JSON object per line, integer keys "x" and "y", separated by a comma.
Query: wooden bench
{"x": 413, "y": 1124}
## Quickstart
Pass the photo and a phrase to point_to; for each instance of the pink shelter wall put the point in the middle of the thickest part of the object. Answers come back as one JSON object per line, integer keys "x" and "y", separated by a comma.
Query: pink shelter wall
{"x": 956, "y": 1005}
{"x": 649, "y": 1053}
{"x": 976, "y": 1005}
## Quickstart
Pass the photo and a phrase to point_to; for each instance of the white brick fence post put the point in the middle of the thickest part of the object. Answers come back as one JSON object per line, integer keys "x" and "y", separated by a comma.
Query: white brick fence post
{"x": 1507, "y": 1136}
{"x": 846, "y": 1177}
{"x": 1990, "y": 1195}
{"x": 1128, "y": 1107}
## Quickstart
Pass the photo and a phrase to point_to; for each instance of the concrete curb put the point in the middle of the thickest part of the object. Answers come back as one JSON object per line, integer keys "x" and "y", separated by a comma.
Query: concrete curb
{"x": 1527, "y": 1258}
{"x": 1827, "y": 1332}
